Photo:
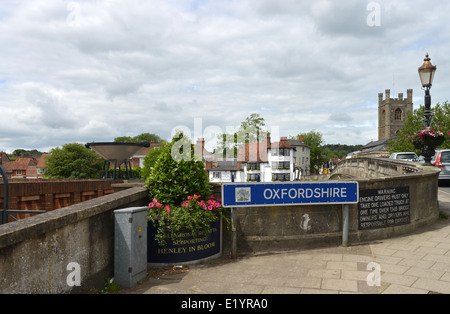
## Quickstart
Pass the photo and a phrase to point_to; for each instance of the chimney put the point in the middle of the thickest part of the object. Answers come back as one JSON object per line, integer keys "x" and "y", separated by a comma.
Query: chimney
{"x": 268, "y": 144}
{"x": 199, "y": 148}
{"x": 300, "y": 138}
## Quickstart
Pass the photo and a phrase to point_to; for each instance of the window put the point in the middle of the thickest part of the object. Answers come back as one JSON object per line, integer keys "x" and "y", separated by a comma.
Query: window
{"x": 216, "y": 174}
{"x": 398, "y": 114}
{"x": 281, "y": 152}
{"x": 280, "y": 177}
{"x": 253, "y": 166}
{"x": 445, "y": 157}
{"x": 281, "y": 165}
{"x": 253, "y": 177}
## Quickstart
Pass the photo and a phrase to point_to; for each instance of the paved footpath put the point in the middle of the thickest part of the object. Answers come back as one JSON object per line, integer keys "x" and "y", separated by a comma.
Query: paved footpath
{"x": 413, "y": 264}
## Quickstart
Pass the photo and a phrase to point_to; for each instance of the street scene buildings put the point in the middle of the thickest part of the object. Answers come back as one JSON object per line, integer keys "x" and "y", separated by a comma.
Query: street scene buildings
{"x": 285, "y": 160}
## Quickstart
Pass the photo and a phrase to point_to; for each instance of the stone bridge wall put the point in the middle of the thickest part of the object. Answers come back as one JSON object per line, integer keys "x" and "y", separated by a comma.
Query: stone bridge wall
{"x": 312, "y": 226}
{"x": 36, "y": 253}
{"x": 365, "y": 167}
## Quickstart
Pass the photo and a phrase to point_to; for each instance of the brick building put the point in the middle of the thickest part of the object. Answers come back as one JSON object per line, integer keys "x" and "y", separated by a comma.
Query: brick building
{"x": 21, "y": 168}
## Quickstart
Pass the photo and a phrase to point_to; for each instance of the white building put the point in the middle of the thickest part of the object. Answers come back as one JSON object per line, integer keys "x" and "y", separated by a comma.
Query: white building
{"x": 225, "y": 170}
{"x": 302, "y": 155}
{"x": 264, "y": 162}
{"x": 281, "y": 161}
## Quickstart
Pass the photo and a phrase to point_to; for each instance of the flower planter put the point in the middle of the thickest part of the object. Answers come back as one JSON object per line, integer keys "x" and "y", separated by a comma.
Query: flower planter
{"x": 433, "y": 141}
{"x": 185, "y": 249}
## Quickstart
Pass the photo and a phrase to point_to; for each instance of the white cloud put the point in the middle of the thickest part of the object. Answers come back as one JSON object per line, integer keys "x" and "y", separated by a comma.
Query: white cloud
{"x": 81, "y": 71}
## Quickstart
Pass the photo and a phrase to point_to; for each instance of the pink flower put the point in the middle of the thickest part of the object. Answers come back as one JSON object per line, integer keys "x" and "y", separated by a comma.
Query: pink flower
{"x": 210, "y": 207}
{"x": 155, "y": 200}
{"x": 158, "y": 205}
{"x": 167, "y": 208}
{"x": 151, "y": 205}
{"x": 189, "y": 197}
{"x": 217, "y": 205}
{"x": 185, "y": 204}
{"x": 212, "y": 196}
{"x": 196, "y": 196}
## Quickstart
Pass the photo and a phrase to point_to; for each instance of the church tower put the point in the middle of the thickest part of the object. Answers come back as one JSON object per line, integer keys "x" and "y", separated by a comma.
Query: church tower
{"x": 392, "y": 113}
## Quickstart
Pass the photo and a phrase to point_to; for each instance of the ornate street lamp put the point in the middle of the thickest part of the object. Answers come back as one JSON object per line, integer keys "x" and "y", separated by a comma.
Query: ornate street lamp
{"x": 426, "y": 73}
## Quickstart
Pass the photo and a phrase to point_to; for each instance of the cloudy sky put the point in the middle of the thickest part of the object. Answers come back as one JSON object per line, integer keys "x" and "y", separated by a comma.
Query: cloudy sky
{"x": 83, "y": 71}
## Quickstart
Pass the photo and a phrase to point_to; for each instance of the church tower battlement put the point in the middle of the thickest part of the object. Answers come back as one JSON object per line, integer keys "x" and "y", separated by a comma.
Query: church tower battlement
{"x": 392, "y": 113}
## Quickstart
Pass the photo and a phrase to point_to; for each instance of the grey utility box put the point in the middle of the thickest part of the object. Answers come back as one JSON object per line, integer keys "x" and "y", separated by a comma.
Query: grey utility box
{"x": 130, "y": 246}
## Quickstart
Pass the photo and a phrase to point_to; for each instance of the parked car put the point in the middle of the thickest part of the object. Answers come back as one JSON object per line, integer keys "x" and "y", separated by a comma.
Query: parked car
{"x": 408, "y": 156}
{"x": 443, "y": 161}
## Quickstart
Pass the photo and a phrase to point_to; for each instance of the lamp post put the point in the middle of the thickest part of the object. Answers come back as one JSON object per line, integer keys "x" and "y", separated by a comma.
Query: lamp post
{"x": 426, "y": 74}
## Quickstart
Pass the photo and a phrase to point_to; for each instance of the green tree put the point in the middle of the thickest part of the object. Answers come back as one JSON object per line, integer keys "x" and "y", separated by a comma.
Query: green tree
{"x": 26, "y": 153}
{"x": 314, "y": 140}
{"x": 414, "y": 123}
{"x": 251, "y": 130}
{"x": 339, "y": 150}
{"x": 73, "y": 161}
{"x": 150, "y": 160}
{"x": 144, "y": 137}
{"x": 177, "y": 174}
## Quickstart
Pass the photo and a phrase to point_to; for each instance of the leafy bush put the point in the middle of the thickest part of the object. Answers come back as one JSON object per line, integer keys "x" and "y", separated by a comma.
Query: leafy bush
{"x": 180, "y": 191}
{"x": 172, "y": 180}
{"x": 73, "y": 161}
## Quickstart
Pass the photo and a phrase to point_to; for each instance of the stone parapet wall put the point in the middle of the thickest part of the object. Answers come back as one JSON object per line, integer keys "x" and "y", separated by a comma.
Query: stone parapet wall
{"x": 37, "y": 254}
{"x": 312, "y": 226}
{"x": 366, "y": 167}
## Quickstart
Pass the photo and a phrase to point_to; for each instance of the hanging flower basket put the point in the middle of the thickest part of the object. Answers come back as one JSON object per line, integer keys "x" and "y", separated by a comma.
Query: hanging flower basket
{"x": 428, "y": 137}
{"x": 433, "y": 141}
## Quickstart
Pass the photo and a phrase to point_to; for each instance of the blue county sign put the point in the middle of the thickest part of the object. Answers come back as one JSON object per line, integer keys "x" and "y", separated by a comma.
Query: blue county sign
{"x": 289, "y": 193}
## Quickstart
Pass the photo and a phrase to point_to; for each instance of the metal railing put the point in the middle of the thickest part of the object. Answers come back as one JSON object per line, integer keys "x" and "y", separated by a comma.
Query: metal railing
{"x": 6, "y": 211}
